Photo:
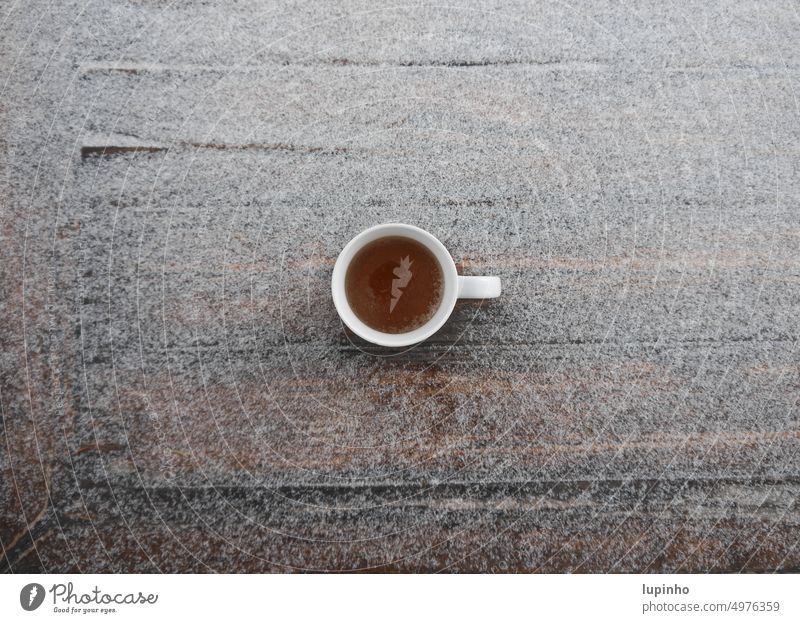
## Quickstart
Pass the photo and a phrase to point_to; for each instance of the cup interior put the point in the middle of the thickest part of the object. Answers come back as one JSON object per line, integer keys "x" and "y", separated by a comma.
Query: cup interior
{"x": 449, "y": 294}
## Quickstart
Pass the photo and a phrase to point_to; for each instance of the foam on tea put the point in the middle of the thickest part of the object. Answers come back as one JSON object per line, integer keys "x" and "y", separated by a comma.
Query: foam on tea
{"x": 394, "y": 284}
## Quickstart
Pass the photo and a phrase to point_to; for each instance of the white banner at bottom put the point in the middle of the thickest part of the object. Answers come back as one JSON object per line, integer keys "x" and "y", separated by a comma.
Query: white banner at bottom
{"x": 353, "y": 598}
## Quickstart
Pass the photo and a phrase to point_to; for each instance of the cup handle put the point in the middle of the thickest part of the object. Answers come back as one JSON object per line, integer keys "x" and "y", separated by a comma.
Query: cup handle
{"x": 478, "y": 287}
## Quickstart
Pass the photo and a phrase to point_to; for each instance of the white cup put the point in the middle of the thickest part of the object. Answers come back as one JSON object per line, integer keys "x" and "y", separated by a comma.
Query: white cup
{"x": 455, "y": 285}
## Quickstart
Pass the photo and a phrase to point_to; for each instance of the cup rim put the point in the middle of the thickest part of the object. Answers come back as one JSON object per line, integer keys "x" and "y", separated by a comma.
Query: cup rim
{"x": 449, "y": 296}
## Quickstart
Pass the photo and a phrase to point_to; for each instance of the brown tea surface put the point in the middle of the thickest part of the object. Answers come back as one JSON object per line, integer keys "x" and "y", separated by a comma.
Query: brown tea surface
{"x": 394, "y": 284}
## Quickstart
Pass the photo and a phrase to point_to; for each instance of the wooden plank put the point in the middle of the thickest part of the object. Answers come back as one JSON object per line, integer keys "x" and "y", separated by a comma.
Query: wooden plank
{"x": 640, "y": 525}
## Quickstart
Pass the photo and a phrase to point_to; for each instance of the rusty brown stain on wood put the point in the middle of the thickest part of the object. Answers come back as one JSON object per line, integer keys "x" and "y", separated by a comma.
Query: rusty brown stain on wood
{"x": 99, "y": 447}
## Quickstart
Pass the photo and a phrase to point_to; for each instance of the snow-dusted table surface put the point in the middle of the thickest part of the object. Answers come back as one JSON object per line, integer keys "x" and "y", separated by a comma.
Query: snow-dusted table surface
{"x": 178, "y": 393}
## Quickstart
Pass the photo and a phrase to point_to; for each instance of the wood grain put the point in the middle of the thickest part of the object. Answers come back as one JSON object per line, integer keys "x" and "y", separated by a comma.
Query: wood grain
{"x": 177, "y": 391}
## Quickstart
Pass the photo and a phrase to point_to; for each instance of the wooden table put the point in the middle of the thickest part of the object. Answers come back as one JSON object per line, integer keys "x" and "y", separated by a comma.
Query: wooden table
{"x": 178, "y": 393}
